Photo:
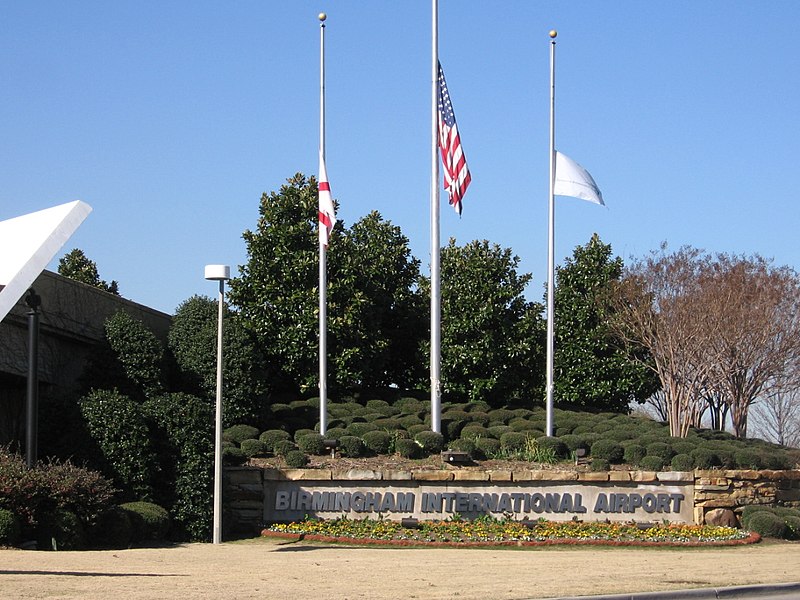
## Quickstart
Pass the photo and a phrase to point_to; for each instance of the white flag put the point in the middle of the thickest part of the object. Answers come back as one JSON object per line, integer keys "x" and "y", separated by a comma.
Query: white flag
{"x": 327, "y": 215}
{"x": 574, "y": 181}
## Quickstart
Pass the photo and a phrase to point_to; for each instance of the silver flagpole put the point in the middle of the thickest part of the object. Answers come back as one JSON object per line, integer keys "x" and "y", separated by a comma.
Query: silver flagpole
{"x": 323, "y": 279}
{"x": 551, "y": 237}
{"x": 436, "y": 290}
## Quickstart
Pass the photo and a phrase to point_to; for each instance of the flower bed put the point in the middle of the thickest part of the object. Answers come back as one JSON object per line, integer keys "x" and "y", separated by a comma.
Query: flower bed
{"x": 487, "y": 531}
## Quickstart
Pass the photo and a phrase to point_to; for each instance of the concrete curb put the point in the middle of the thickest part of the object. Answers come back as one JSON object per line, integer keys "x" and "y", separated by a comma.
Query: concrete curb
{"x": 732, "y": 593}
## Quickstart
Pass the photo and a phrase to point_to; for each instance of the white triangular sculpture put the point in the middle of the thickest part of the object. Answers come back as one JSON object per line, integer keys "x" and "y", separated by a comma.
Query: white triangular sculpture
{"x": 28, "y": 243}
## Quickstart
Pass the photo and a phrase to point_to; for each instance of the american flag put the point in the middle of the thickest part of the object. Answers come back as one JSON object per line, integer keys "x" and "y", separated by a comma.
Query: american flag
{"x": 327, "y": 213}
{"x": 456, "y": 173}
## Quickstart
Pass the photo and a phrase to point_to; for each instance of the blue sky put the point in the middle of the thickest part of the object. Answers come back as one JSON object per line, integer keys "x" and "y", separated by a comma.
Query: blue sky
{"x": 172, "y": 118}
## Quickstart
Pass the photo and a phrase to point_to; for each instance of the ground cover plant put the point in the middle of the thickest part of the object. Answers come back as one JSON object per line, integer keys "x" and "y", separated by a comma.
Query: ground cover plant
{"x": 487, "y": 530}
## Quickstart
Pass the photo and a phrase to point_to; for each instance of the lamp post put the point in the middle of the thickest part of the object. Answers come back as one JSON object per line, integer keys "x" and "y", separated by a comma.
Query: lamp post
{"x": 34, "y": 301}
{"x": 219, "y": 273}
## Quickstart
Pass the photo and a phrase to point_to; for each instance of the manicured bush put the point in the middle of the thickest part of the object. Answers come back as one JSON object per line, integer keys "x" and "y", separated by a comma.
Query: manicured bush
{"x": 558, "y": 447}
{"x": 599, "y": 464}
{"x": 487, "y": 447}
{"x": 239, "y": 433}
{"x": 113, "y": 529}
{"x": 377, "y": 442}
{"x": 513, "y": 441}
{"x": 792, "y": 523}
{"x": 776, "y": 460}
{"x": 682, "y": 462}
{"x": 296, "y": 459}
{"x": 574, "y": 442}
{"x": 463, "y": 445}
{"x": 253, "y": 448}
{"x": 380, "y": 406}
{"x": 407, "y": 421}
{"x": 415, "y": 429}
{"x": 407, "y": 448}
{"x": 9, "y": 527}
{"x": 634, "y": 453}
{"x": 359, "y": 429}
{"x": 496, "y": 431}
{"x": 283, "y": 447}
{"x": 609, "y": 450}
{"x": 479, "y": 417}
{"x": 311, "y": 443}
{"x": 431, "y": 442}
{"x": 271, "y": 436}
{"x": 472, "y": 432}
{"x": 683, "y": 446}
{"x": 60, "y": 529}
{"x": 662, "y": 450}
{"x": 302, "y": 432}
{"x": 233, "y": 456}
{"x": 453, "y": 429}
{"x": 388, "y": 424}
{"x": 501, "y": 415}
{"x": 750, "y": 510}
{"x": 747, "y": 458}
{"x": 652, "y": 463}
{"x": 767, "y": 524}
{"x": 351, "y": 446}
{"x": 704, "y": 458}
{"x": 149, "y": 521}
{"x": 334, "y": 433}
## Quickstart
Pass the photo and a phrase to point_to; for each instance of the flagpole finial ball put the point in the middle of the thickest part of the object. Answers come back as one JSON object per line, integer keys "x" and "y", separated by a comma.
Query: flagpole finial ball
{"x": 322, "y": 16}
{"x": 553, "y": 33}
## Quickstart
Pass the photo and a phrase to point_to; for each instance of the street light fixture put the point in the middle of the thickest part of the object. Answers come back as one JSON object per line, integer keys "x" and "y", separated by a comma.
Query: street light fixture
{"x": 220, "y": 273}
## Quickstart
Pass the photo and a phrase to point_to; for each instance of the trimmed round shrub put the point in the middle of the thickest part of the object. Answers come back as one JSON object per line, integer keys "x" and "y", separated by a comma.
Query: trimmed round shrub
{"x": 747, "y": 458}
{"x": 430, "y": 441}
{"x": 311, "y": 443}
{"x": 574, "y": 442}
{"x": 479, "y": 417}
{"x": 388, "y": 424}
{"x": 487, "y": 447}
{"x": 477, "y": 406}
{"x": 409, "y": 405}
{"x": 149, "y": 521}
{"x": 513, "y": 441}
{"x": 602, "y": 427}
{"x": 704, "y": 458}
{"x": 415, "y": 429}
{"x": 463, "y": 445}
{"x": 253, "y": 448}
{"x": 271, "y": 436}
{"x": 351, "y": 446}
{"x": 407, "y": 421}
{"x": 380, "y": 406}
{"x": 634, "y": 453}
{"x": 767, "y": 524}
{"x": 239, "y": 433}
{"x": 792, "y": 524}
{"x": 9, "y": 527}
{"x": 599, "y": 464}
{"x": 113, "y": 529}
{"x": 302, "y": 432}
{"x": 334, "y": 433}
{"x": 473, "y": 432}
{"x": 359, "y": 429}
{"x": 233, "y": 456}
{"x": 377, "y": 442}
{"x": 652, "y": 463}
{"x": 609, "y": 450}
{"x": 558, "y": 447}
{"x": 407, "y": 448}
{"x": 453, "y": 429}
{"x": 296, "y": 459}
{"x": 283, "y": 447}
{"x": 682, "y": 462}
{"x": 496, "y": 431}
{"x": 776, "y": 460}
{"x": 524, "y": 425}
{"x": 502, "y": 415}
{"x": 60, "y": 529}
{"x": 662, "y": 450}
{"x": 749, "y": 511}
{"x": 683, "y": 446}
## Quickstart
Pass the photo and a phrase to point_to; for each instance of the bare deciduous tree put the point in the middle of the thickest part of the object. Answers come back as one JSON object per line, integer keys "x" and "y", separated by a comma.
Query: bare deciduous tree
{"x": 777, "y": 417}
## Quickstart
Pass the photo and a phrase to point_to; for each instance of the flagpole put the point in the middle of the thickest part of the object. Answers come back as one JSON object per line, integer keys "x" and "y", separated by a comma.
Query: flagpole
{"x": 323, "y": 279}
{"x": 551, "y": 238}
{"x": 436, "y": 291}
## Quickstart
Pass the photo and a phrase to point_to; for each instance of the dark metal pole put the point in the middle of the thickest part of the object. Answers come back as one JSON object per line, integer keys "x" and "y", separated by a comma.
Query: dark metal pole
{"x": 32, "y": 414}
